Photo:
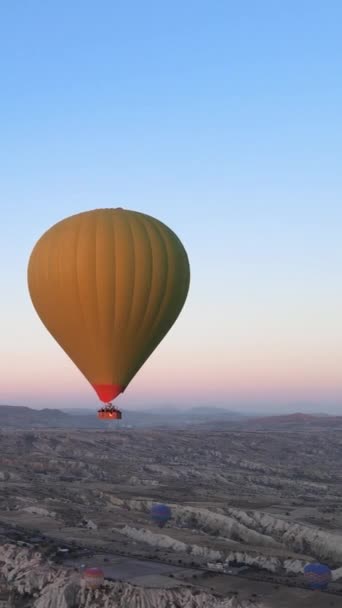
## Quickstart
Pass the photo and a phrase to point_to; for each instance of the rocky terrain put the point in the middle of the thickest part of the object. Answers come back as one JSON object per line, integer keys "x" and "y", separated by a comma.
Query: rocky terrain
{"x": 250, "y": 509}
{"x": 33, "y": 581}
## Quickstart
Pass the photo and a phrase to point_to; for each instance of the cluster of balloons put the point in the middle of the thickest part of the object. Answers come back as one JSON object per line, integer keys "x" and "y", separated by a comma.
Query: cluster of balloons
{"x": 94, "y": 577}
{"x": 317, "y": 575}
{"x": 108, "y": 284}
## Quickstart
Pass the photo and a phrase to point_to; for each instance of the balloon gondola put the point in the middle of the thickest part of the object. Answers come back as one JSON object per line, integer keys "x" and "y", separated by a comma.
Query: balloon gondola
{"x": 109, "y": 413}
{"x": 108, "y": 285}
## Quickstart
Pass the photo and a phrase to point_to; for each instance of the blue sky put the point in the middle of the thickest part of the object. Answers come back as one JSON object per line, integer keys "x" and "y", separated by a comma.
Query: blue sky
{"x": 223, "y": 119}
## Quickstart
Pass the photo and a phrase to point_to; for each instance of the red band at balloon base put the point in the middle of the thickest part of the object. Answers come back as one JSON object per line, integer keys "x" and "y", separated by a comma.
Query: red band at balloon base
{"x": 108, "y": 392}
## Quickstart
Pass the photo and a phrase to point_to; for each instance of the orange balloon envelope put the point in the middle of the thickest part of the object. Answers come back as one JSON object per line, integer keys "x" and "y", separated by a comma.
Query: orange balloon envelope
{"x": 108, "y": 284}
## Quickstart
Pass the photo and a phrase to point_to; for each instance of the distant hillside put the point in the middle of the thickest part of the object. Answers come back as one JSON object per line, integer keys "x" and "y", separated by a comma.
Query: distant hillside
{"x": 284, "y": 422}
{"x": 213, "y": 412}
{"x": 170, "y": 415}
{"x": 293, "y": 422}
{"x": 25, "y": 417}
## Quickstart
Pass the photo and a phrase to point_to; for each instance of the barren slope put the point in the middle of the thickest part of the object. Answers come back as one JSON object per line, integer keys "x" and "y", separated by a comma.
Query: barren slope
{"x": 269, "y": 502}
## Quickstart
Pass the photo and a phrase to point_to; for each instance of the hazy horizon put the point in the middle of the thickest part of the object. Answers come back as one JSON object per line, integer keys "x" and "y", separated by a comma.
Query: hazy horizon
{"x": 221, "y": 120}
{"x": 244, "y": 408}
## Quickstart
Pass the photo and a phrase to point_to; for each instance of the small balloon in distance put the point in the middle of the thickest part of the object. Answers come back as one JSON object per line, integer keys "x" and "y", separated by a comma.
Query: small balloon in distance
{"x": 317, "y": 575}
{"x": 160, "y": 514}
{"x": 93, "y": 577}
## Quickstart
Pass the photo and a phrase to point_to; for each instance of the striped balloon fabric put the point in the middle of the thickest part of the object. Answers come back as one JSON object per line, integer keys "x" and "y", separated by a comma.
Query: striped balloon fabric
{"x": 93, "y": 577}
{"x": 318, "y": 576}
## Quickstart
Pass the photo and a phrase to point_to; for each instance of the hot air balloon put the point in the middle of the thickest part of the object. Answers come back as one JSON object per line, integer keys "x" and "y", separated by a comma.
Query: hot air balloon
{"x": 160, "y": 514}
{"x": 93, "y": 577}
{"x": 318, "y": 576}
{"x": 108, "y": 284}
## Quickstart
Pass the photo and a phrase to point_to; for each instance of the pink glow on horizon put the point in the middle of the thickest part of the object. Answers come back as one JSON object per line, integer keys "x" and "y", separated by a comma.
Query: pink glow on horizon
{"x": 172, "y": 383}
{"x": 184, "y": 367}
